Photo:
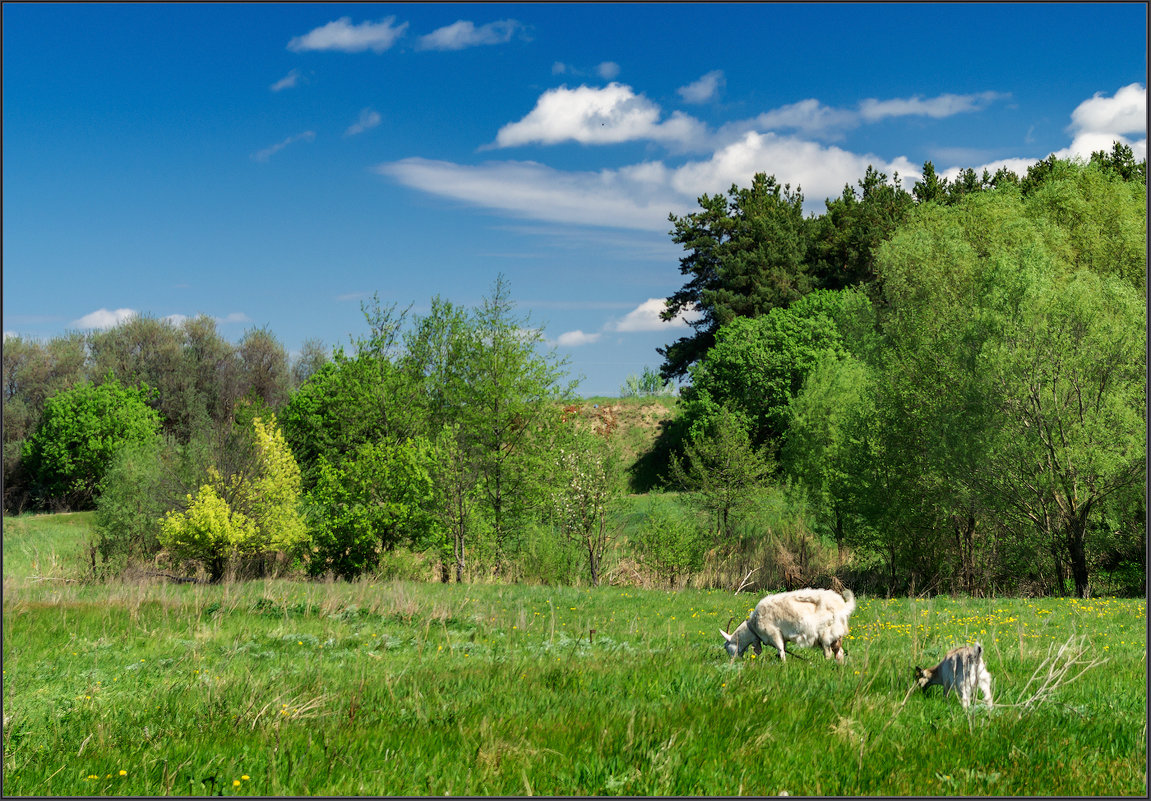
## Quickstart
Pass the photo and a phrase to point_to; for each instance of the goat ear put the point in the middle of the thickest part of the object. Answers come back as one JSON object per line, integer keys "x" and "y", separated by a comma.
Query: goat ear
{"x": 726, "y": 636}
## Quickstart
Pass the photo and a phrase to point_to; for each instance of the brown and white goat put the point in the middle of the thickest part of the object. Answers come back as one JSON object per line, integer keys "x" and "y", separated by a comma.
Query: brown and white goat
{"x": 961, "y": 670}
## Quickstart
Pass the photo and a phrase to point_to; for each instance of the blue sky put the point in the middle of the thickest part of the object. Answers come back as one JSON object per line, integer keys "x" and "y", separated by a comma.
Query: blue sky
{"x": 274, "y": 165}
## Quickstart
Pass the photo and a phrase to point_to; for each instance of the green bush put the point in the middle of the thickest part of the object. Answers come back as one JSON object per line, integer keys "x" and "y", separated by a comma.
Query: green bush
{"x": 79, "y": 434}
{"x": 369, "y": 503}
{"x": 669, "y": 541}
{"x": 255, "y": 510}
{"x": 130, "y": 505}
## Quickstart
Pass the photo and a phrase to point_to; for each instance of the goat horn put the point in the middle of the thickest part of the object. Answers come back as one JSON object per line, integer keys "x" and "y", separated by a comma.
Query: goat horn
{"x": 729, "y": 620}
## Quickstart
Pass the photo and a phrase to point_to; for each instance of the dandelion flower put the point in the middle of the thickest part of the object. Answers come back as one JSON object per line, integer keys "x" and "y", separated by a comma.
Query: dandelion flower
{"x": 123, "y": 773}
{"x": 245, "y": 777}
{"x": 235, "y": 782}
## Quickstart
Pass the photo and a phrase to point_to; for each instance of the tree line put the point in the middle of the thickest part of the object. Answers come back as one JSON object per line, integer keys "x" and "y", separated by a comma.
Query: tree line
{"x": 945, "y": 385}
{"x": 953, "y": 378}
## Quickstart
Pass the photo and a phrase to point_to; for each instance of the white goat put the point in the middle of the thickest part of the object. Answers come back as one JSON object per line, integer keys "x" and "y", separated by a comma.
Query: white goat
{"x": 961, "y": 670}
{"x": 804, "y": 617}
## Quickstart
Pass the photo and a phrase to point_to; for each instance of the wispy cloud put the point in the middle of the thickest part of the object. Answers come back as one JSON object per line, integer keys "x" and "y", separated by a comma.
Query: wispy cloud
{"x": 368, "y": 119}
{"x": 268, "y": 152}
{"x": 945, "y": 105}
{"x": 613, "y": 198}
{"x": 702, "y": 90}
{"x": 341, "y": 35}
{"x": 808, "y": 117}
{"x": 608, "y": 70}
{"x": 287, "y": 82}
{"x": 640, "y": 196}
{"x": 463, "y": 34}
{"x": 103, "y": 319}
{"x": 234, "y": 317}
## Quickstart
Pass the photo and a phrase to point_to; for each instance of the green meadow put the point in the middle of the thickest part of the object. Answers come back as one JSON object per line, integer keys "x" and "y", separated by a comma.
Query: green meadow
{"x": 403, "y": 688}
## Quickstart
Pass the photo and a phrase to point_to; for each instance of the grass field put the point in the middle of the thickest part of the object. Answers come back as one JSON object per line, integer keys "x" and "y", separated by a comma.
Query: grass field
{"x": 282, "y": 688}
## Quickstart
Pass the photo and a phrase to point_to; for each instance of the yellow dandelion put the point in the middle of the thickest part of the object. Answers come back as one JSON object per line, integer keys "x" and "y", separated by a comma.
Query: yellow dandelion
{"x": 245, "y": 777}
{"x": 123, "y": 773}
{"x": 235, "y": 782}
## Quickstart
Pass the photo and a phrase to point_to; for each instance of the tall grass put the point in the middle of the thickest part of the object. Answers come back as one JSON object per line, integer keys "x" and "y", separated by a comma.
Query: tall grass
{"x": 277, "y": 688}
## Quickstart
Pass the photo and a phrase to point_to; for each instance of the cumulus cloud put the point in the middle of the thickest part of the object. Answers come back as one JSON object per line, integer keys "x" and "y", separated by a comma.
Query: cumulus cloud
{"x": 368, "y": 119}
{"x": 1124, "y": 113}
{"x": 702, "y": 90}
{"x": 1096, "y": 124}
{"x": 463, "y": 33}
{"x": 1099, "y": 121}
{"x": 820, "y": 170}
{"x": 341, "y": 35}
{"x": 287, "y": 82}
{"x": 576, "y": 338}
{"x": 268, "y": 152}
{"x": 590, "y": 115}
{"x": 104, "y": 319}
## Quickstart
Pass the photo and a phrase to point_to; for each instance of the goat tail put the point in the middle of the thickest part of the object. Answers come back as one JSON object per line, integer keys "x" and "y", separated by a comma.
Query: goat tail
{"x": 849, "y": 598}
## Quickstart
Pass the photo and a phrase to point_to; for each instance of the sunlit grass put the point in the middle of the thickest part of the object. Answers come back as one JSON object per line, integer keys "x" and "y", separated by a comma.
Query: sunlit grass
{"x": 277, "y": 688}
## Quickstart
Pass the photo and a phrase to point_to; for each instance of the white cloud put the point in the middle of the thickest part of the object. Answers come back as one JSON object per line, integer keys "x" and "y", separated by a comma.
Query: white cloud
{"x": 287, "y": 82}
{"x": 1125, "y": 113}
{"x": 463, "y": 34}
{"x": 368, "y": 119}
{"x": 589, "y": 115}
{"x": 1096, "y": 124}
{"x": 104, "y": 319}
{"x": 234, "y": 317}
{"x": 705, "y": 89}
{"x": 268, "y": 152}
{"x": 945, "y": 105}
{"x": 611, "y": 198}
{"x": 559, "y": 68}
{"x": 809, "y": 117}
{"x": 342, "y": 36}
{"x": 1099, "y": 121}
{"x": 645, "y": 317}
{"x": 820, "y": 170}
{"x": 176, "y": 319}
{"x": 640, "y": 196}
{"x": 576, "y": 338}
{"x": 608, "y": 70}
